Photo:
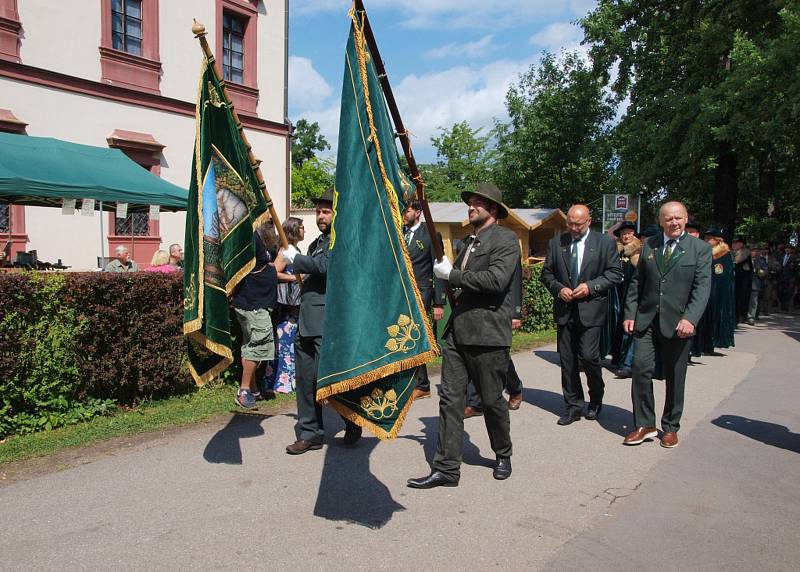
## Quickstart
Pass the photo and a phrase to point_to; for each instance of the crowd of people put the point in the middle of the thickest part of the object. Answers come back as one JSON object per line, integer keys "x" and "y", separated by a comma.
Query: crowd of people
{"x": 162, "y": 261}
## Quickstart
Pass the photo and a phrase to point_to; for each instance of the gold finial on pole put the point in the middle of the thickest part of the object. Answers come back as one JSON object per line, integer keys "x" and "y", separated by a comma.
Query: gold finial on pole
{"x": 198, "y": 29}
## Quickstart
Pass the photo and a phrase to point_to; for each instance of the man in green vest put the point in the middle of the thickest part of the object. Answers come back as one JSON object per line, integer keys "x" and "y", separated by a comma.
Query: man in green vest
{"x": 666, "y": 299}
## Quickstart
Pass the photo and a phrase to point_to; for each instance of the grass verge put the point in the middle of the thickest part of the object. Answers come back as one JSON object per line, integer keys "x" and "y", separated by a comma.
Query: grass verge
{"x": 205, "y": 403}
{"x": 201, "y": 405}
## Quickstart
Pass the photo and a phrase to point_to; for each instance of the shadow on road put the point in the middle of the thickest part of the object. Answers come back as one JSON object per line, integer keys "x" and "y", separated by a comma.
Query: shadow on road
{"x": 612, "y": 418}
{"x": 430, "y": 430}
{"x": 348, "y": 491}
{"x": 768, "y": 433}
{"x": 224, "y": 446}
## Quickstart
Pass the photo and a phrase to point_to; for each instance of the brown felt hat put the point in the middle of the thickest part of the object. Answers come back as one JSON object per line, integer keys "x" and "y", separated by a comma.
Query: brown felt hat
{"x": 490, "y": 192}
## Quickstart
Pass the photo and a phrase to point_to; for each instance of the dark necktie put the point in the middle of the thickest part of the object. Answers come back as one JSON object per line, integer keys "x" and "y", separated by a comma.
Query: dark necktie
{"x": 574, "y": 268}
{"x": 668, "y": 251}
{"x": 408, "y": 235}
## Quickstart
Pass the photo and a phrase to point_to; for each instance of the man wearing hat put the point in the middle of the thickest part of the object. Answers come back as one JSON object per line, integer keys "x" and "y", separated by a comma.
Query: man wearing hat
{"x": 314, "y": 268}
{"x": 743, "y": 272}
{"x": 692, "y": 228}
{"x": 477, "y": 337}
{"x": 760, "y": 273}
{"x": 629, "y": 247}
{"x": 580, "y": 268}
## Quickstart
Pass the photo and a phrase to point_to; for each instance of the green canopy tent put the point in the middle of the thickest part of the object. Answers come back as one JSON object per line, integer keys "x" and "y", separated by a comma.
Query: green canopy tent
{"x": 41, "y": 171}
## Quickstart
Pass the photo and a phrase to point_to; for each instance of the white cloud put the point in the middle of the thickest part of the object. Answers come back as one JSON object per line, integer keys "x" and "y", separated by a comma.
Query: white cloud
{"x": 307, "y": 88}
{"x": 477, "y": 49}
{"x": 457, "y": 13}
{"x": 558, "y": 36}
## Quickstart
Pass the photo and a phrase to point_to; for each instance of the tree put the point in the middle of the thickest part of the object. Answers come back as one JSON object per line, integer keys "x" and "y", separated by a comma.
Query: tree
{"x": 464, "y": 158}
{"x": 306, "y": 140}
{"x": 555, "y": 150}
{"x": 704, "y": 80}
{"x": 310, "y": 180}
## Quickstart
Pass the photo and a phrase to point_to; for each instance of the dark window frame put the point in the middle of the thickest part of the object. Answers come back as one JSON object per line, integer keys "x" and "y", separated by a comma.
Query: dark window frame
{"x": 5, "y": 218}
{"x": 230, "y": 22}
{"x": 123, "y": 40}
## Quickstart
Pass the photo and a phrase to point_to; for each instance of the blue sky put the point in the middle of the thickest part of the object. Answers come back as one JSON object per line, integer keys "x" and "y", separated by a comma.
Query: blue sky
{"x": 447, "y": 60}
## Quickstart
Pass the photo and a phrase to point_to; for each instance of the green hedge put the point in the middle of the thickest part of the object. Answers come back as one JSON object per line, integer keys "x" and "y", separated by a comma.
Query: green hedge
{"x": 73, "y": 346}
{"x": 537, "y": 302}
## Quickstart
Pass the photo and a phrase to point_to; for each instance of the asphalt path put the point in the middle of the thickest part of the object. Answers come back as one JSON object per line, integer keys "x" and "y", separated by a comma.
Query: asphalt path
{"x": 225, "y": 496}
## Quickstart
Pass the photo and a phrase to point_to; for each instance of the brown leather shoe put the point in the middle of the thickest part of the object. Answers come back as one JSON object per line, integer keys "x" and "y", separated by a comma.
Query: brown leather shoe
{"x": 420, "y": 394}
{"x": 301, "y": 446}
{"x": 640, "y": 435}
{"x": 514, "y": 401}
{"x": 669, "y": 439}
{"x": 471, "y": 412}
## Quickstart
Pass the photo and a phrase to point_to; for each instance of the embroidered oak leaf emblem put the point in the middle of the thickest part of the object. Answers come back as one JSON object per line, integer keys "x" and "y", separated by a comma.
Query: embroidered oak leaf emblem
{"x": 380, "y": 405}
{"x": 403, "y": 335}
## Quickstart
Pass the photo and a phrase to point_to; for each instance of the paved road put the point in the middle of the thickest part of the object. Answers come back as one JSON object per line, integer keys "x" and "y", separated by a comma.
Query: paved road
{"x": 226, "y": 496}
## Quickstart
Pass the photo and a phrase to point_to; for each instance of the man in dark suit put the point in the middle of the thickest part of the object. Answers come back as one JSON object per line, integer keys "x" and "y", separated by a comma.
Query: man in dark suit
{"x": 314, "y": 268}
{"x": 666, "y": 299}
{"x": 580, "y": 267}
{"x": 420, "y": 251}
{"x": 477, "y": 337}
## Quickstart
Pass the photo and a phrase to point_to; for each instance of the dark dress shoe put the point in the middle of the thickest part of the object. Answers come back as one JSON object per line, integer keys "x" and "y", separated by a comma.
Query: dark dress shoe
{"x": 472, "y": 412}
{"x": 514, "y": 401}
{"x": 351, "y": 435}
{"x": 503, "y": 469}
{"x": 435, "y": 479}
{"x": 301, "y": 446}
{"x": 568, "y": 419}
{"x": 593, "y": 411}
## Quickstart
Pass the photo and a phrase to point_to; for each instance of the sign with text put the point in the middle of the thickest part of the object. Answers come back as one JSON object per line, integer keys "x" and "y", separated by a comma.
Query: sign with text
{"x": 620, "y": 208}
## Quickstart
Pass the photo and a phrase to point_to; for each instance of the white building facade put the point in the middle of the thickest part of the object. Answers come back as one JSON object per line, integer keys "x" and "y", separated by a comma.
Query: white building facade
{"x": 124, "y": 74}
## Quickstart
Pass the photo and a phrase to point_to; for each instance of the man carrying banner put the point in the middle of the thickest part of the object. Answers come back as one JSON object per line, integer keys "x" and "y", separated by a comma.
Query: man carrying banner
{"x": 477, "y": 337}
{"x": 314, "y": 267}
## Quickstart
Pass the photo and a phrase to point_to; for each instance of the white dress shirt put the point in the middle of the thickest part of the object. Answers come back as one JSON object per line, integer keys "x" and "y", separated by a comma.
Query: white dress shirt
{"x": 581, "y": 247}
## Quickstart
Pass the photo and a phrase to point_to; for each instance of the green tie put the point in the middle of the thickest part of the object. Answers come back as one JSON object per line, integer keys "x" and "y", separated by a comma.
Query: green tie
{"x": 668, "y": 251}
{"x": 574, "y": 269}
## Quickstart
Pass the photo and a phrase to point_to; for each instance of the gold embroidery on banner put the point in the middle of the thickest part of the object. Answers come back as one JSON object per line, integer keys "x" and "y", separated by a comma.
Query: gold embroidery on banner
{"x": 380, "y": 405}
{"x": 190, "y": 294}
{"x": 216, "y": 101}
{"x": 333, "y": 219}
{"x": 403, "y": 335}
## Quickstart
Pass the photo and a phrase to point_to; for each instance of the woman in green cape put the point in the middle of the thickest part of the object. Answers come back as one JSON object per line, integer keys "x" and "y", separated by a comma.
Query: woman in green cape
{"x": 719, "y": 319}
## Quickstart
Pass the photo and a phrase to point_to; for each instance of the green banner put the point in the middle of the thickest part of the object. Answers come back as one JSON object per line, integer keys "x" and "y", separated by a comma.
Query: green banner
{"x": 376, "y": 331}
{"x": 225, "y": 204}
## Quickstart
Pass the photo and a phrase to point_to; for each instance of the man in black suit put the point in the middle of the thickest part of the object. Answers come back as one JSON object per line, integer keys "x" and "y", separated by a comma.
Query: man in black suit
{"x": 314, "y": 268}
{"x": 421, "y": 253}
{"x": 477, "y": 337}
{"x": 580, "y": 267}
{"x": 666, "y": 299}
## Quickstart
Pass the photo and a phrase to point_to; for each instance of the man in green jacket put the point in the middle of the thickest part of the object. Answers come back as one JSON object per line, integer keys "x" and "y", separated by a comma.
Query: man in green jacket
{"x": 666, "y": 299}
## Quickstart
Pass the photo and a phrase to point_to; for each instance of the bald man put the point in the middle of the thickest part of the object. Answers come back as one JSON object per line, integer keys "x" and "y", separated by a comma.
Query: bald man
{"x": 666, "y": 299}
{"x": 580, "y": 268}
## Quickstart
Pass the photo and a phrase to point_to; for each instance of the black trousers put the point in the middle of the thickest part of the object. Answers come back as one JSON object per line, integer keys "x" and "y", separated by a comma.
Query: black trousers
{"x": 309, "y": 411}
{"x": 674, "y": 354}
{"x": 423, "y": 382}
{"x": 512, "y": 384}
{"x": 578, "y": 342}
{"x": 487, "y": 367}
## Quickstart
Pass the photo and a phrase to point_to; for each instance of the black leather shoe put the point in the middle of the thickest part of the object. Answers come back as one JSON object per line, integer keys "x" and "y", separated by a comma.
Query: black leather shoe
{"x": 593, "y": 411}
{"x": 435, "y": 479}
{"x": 503, "y": 469}
{"x": 351, "y": 435}
{"x": 567, "y": 419}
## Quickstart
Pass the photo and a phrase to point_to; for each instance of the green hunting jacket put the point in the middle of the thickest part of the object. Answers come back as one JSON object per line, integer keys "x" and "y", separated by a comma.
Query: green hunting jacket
{"x": 679, "y": 290}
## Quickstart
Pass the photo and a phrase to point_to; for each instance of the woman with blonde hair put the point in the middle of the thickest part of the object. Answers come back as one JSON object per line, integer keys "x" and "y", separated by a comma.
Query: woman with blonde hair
{"x": 160, "y": 263}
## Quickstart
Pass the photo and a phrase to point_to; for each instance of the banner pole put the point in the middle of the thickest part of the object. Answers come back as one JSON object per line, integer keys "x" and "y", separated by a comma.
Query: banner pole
{"x": 405, "y": 142}
{"x": 199, "y": 31}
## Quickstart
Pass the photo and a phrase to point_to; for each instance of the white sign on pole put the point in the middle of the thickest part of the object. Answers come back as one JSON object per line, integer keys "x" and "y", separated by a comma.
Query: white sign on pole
{"x": 154, "y": 210}
{"x": 67, "y": 206}
{"x": 87, "y": 207}
{"x": 122, "y": 210}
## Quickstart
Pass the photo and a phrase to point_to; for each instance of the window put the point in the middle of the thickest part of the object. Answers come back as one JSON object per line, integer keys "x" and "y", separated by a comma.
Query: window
{"x": 135, "y": 224}
{"x": 4, "y": 219}
{"x": 126, "y": 17}
{"x": 233, "y": 47}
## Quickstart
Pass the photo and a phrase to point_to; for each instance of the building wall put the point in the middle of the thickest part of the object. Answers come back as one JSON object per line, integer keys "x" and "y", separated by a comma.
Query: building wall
{"x": 64, "y": 37}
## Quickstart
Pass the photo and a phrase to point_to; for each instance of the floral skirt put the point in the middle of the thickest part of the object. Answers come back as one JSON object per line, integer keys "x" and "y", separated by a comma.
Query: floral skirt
{"x": 279, "y": 375}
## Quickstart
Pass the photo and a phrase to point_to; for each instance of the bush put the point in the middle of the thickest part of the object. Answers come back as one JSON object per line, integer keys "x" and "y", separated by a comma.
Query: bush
{"x": 73, "y": 345}
{"x": 537, "y": 302}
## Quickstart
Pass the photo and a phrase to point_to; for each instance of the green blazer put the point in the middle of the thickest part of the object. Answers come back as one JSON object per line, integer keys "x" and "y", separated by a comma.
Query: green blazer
{"x": 674, "y": 291}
